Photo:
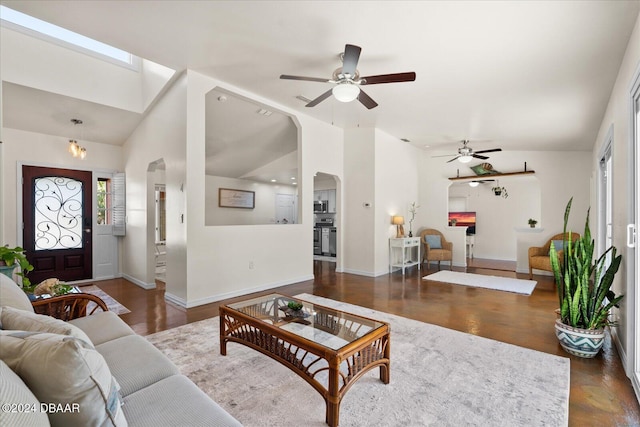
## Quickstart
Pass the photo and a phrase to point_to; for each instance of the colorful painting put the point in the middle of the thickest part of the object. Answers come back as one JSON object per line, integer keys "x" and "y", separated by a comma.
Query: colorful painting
{"x": 462, "y": 219}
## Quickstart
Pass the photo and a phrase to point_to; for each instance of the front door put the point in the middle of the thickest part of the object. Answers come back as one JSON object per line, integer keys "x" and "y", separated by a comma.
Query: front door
{"x": 57, "y": 223}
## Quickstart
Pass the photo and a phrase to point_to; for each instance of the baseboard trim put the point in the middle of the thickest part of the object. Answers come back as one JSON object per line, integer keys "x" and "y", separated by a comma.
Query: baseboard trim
{"x": 181, "y": 302}
{"x": 140, "y": 283}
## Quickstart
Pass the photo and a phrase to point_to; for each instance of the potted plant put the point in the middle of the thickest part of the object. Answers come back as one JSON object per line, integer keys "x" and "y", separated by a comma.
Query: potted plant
{"x": 532, "y": 223}
{"x": 583, "y": 287}
{"x": 15, "y": 257}
{"x": 413, "y": 210}
{"x": 500, "y": 191}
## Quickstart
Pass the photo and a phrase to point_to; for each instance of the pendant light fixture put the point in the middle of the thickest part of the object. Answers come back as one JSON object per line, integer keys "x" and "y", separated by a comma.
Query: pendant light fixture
{"x": 74, "y": 148}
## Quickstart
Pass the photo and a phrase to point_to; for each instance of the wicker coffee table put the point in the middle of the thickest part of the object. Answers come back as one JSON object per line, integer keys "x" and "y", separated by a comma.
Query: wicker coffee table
{"x": 330, "y": 349}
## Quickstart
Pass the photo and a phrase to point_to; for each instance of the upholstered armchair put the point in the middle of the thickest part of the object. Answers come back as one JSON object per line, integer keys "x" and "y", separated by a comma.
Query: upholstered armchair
{"x": 436, "y": 247}
{"x": 539, "y": 256}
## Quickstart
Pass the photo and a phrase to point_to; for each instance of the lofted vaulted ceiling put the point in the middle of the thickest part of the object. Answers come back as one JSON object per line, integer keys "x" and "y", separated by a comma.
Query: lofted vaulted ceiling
{"x": 529, "y": 75}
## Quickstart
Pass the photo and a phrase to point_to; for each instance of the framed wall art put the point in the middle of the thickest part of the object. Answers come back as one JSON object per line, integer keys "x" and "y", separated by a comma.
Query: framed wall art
{"x": 229, "y": 198}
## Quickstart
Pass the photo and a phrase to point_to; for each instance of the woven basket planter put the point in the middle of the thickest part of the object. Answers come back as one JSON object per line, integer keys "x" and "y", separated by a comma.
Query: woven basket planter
{"x": 579, "y": 342}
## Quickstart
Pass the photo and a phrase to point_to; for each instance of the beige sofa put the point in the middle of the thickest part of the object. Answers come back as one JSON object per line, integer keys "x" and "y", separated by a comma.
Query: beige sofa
{"x": 90, "y": 371}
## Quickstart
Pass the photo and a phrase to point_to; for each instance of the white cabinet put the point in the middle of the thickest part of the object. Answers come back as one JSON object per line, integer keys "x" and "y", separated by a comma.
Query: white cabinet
{"x": 404, "y": 252}
{"x": 331, "y": 198}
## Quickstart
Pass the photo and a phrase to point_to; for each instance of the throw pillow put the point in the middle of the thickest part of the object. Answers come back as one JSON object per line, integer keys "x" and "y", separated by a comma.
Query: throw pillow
{"x": 12, "y": 295}
{"x": 558, "y": 244}
{"x": 21, "y": 320}
{"x": 24, "y": 408}
{"x": 434, "y": 242}
{"x": 67, "y": 374}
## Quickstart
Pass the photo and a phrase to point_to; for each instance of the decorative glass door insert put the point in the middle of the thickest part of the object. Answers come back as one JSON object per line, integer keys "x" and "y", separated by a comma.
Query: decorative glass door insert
{"x": 58, "y": 213}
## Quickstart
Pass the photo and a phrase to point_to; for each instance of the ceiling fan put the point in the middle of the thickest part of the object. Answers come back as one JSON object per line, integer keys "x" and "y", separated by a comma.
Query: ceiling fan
{"x": 477, "y": 182}
{"x": 466, "y": 153}
{"x": 347, "y": 80}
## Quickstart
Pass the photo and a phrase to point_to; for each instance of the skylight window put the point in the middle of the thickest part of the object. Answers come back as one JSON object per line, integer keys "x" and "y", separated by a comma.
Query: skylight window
{"x": 46, "y": 31}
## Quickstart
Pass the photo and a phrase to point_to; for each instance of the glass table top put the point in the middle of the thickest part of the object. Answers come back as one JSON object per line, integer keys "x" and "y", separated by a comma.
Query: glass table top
{"x": 322, "y": 325}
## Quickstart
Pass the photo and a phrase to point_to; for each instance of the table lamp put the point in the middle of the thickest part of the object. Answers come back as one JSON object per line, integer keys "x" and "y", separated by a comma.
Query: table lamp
{"x": 398, "y": 221}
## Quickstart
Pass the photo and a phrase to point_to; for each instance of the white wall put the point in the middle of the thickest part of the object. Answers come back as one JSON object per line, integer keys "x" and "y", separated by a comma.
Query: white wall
{"x": 561, "y": 175}
{"x": 161, "y": 135}
{"x": 396, "y": 187}
{"x": 223, "y": 261}
{"x": 49, "y": 151}
{"x": 381, "y": 171}
{"x": 265, "y": 201}
{"x": 618, "y": 116}
{"x": 359, "y": 189}
{"x": 43, "y": 65}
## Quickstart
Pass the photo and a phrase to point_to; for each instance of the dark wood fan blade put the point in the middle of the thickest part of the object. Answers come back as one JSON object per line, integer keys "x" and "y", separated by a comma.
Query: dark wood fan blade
{"x": 493, "y": 150}
{"x": 449, "y": 161}
{"x": 366, "y": 100}
{"x": 308, "y": 79}
{"x": 479, "y": 157}
{"x": 350, "y": 59}
{"x": 319, "y": 99}
{"x": 389, "y": 78}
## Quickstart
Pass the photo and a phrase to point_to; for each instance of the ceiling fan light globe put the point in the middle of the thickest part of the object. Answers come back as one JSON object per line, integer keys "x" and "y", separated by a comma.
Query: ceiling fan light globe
{"x": 465, "y": 159}
{"x": 345, "y": 92}
{"x": 474, "y": 184}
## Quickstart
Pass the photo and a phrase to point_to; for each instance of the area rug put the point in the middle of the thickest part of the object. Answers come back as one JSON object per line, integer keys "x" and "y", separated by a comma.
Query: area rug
{"x": 507, "y": 284}
{"x": 439, "y": 377}
{"x": 113, "y": 305}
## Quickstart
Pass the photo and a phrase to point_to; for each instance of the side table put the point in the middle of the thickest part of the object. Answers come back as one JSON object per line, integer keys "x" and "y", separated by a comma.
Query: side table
{"x": 409, "y": 255}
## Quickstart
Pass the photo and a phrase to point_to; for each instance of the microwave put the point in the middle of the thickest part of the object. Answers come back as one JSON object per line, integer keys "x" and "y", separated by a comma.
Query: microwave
{"x": 320, "y": 206}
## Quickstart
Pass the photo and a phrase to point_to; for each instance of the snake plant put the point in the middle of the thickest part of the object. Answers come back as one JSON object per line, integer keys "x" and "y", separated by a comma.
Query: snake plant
{"x": 582, "y": 284}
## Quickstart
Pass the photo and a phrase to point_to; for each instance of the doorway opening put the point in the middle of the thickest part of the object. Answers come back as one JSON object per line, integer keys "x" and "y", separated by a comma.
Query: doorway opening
{"x": 157, "y": 219}
{"x": 326, "y": 217}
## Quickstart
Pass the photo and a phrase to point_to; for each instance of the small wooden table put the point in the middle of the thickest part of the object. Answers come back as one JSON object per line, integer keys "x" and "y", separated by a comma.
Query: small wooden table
{"x": 313, "y": 341}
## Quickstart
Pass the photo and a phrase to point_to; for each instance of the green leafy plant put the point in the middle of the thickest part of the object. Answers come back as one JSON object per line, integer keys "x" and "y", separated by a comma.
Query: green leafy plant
{"x": 294, "y": 305}
{"x": 500, "y": 191}
{"x": 532, "y": 222}
{"x": 61, "y": 289}
{"x": 582, "y": 284}
{"x": 11, "y": 256}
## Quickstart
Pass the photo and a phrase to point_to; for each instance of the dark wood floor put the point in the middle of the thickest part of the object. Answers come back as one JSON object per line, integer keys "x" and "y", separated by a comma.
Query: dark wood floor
{"x": 601, "y": 394}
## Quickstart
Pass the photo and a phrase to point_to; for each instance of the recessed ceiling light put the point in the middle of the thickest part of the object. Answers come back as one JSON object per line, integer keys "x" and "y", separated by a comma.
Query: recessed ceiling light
{"x": 293, "y": 177}
{"x": 273, "y": 180}
{"x": 222, "y": 98}
{"x": 427, "y": 146}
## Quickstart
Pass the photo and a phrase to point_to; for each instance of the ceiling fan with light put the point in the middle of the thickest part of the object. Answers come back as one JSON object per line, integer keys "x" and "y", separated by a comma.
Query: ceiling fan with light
{"x": 347, "y": 80}
{"x": 466, "y": 153}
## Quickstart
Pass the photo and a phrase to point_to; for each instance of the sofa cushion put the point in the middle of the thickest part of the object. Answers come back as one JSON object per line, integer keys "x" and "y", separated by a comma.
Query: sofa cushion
{"x": 12, "y": 295}
{"x": 434, "y": 241}
{"x": 24, "y": 409}
{"x": 103, "y": 326}
{"x": 12, "y": 318}
{"x": 175, "y": 401}
{"x": 65, "y": 372}
{"x": 135, "y": 362}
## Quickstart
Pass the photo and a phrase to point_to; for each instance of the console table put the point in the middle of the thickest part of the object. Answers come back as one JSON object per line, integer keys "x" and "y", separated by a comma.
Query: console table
{"x": 409, "y": 255}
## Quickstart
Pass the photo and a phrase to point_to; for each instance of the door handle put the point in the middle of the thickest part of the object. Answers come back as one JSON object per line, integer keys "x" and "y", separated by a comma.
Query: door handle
{"x": 631, "y": 235}
{"x": 87, "y": 230}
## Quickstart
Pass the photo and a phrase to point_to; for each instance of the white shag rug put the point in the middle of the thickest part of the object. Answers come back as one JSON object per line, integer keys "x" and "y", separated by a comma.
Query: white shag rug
{"x": 497, "y": 283}
{"x": 439, "y": 377}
